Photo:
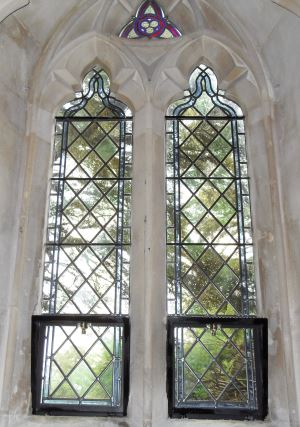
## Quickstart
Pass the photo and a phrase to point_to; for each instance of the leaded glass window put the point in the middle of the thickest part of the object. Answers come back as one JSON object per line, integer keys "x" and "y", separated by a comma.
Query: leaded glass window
{"x": 209, "y": 250}
{"x": 87, "y": 253}
{"x": 150, "y": 22}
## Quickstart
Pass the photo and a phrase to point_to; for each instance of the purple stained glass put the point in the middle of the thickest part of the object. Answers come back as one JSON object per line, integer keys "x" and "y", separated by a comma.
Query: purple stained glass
{"x": 150, "y": 21}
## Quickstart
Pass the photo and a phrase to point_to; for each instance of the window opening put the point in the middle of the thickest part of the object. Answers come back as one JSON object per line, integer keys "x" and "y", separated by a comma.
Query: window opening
{"x": 151, "y": 22}
{"x": 210, "y": 269}
{"x": 87, "y": 259}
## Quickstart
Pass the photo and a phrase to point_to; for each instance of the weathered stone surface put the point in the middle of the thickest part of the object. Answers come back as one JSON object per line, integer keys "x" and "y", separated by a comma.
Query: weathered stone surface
{"x": 8, "y": 7}
{"x": 291, "y": 5}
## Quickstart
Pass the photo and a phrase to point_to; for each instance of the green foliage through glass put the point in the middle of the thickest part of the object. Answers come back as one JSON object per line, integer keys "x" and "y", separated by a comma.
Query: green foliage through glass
{"x": 209, "y": 242}
{"x": 87, "y": 253}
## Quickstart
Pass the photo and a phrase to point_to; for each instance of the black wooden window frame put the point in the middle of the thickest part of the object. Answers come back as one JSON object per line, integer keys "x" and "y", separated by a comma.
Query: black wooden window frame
{"x": 260, "y": 335}
{"x": 39, "y": 325}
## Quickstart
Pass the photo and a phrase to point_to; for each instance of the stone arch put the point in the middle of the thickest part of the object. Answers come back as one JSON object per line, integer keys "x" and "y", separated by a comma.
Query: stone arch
{"x": 58, "y": 79}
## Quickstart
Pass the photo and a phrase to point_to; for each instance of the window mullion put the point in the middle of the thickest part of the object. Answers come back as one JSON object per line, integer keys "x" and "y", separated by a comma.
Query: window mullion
{"x": 156, "y": 313}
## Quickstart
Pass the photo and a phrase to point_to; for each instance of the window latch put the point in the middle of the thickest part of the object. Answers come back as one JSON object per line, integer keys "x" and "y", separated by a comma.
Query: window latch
{"x": 84, "y": 326}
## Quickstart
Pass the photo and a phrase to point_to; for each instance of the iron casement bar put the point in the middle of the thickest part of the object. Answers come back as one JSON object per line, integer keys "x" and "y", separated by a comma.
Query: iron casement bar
{"x": 204, "y": 178}
{"x": 208, "y": 244}
{"x": 239, "y": 322}
{"x": 91, "y": 179}
{"x": 90, "y": 119}
{"x": 87, "y": 244}
{"x": 227, "y": 118}
{"x": 73, "y": 319}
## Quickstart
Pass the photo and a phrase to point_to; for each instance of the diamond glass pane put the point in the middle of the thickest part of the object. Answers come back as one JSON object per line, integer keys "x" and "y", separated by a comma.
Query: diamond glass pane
{"x": 212, "y": 369}
{"x": 83, "y": 367}
{"x": 88, "y": 236}
{"x": 209, "y": 243}
{"x": 208, "y": 204}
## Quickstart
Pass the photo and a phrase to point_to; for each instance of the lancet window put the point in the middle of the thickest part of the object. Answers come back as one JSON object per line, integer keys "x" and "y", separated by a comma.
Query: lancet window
{"x": 81, "y": 360}
{"x": 213, "y": 361}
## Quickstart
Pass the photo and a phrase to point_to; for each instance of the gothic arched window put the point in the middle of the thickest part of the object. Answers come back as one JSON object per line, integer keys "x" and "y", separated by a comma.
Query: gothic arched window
{"x": 216, "y": 345}
{"x": 216, "y": 348}
{"x": 81, "y": 360}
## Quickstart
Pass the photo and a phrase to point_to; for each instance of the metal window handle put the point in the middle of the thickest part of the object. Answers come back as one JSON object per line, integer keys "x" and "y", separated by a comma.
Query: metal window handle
{"x": 213, "y": 327}
{"x": 84, "y": 326}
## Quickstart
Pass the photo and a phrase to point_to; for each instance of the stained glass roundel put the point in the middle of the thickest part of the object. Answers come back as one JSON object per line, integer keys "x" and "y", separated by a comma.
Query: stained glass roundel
{"x": 150, "y": 21}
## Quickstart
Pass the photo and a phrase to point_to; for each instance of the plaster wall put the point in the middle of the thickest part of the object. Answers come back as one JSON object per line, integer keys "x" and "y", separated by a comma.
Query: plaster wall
{"x": 45, "y": 50}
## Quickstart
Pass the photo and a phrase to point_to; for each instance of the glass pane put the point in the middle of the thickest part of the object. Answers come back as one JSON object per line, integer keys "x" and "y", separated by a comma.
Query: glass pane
{"x": 89, "y": 223}
{"x": 83, "y": 365}
{"x": 212, "y": 367}
{"x": 208, "y": 212}
{"x": 87, "y": 254}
